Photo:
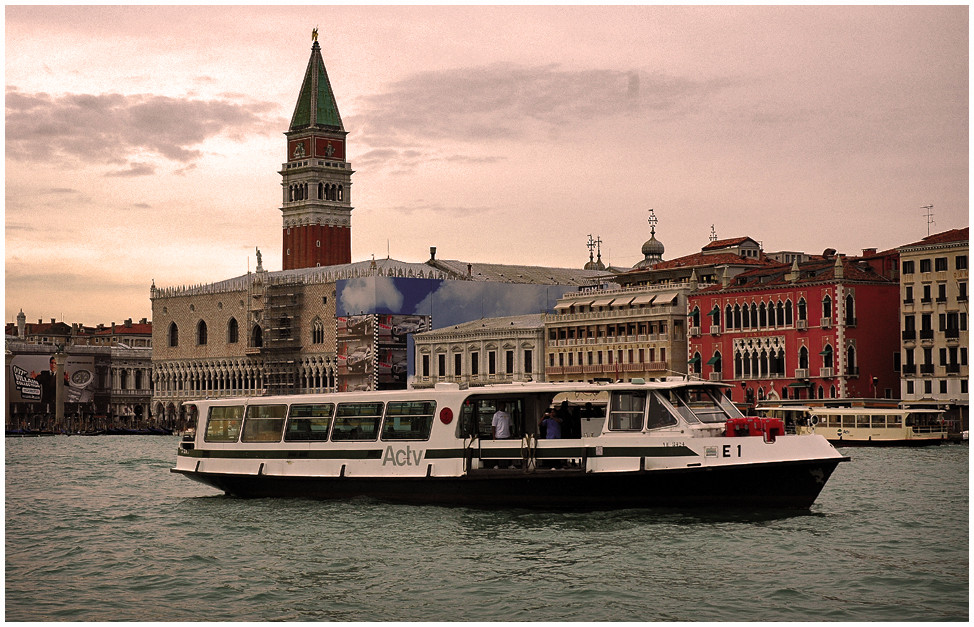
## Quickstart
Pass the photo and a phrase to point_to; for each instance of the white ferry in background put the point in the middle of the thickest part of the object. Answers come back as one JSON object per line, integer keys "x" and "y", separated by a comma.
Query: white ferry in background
{"x": 859, "y": 426}
{"x": 624, "y": 445}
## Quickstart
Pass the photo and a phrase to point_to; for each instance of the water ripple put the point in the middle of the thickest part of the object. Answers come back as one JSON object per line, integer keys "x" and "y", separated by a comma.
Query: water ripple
{"x": 97, "y": 529}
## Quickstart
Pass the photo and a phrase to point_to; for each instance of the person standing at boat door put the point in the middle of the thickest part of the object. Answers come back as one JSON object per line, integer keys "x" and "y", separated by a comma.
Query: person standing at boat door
{"x": 500, "y": 424}
{"x": 551, "y": 425}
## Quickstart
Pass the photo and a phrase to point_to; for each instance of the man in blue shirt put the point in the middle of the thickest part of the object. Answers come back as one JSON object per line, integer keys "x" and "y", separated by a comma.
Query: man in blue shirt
{"x": 551, "y": 424}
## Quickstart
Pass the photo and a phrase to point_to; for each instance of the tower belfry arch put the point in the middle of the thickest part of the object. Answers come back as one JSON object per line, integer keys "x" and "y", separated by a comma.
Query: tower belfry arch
{"x": 316, "y": 176}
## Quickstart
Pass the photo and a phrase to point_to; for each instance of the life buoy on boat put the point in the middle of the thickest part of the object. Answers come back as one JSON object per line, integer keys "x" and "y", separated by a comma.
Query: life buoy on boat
{"x": 813, "y": 420}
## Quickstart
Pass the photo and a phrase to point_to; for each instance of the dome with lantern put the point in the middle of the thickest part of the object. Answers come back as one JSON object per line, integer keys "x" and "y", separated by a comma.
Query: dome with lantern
{"x": 653, "y": 248}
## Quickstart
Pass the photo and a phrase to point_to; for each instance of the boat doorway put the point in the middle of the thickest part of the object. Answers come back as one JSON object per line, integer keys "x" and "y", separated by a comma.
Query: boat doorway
{"x": 528, "y": 446}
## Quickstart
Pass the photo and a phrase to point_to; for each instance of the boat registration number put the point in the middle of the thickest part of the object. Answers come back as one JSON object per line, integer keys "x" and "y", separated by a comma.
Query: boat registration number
{"x": 725, "y": 450}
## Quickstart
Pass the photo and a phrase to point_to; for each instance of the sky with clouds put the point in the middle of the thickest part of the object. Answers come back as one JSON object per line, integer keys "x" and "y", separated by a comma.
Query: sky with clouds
{"x": 144, "y": 143}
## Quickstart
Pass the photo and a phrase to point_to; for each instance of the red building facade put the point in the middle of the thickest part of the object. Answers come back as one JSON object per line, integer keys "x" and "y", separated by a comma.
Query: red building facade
{"x": 828, "y": 328}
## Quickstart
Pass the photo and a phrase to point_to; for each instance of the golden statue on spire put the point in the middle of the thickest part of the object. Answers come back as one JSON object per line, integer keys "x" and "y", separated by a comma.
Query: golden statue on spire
{"x": 314, "y": 34}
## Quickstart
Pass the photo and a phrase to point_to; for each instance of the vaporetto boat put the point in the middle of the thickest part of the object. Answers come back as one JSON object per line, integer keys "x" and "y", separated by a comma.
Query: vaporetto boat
{"x": 623, "y": 445}
{"x": 859, "y": 426}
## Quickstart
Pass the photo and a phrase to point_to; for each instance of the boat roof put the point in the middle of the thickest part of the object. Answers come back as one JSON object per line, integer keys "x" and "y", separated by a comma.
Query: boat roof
{"x": 871, "y": 410}
{"x": 500, "y": 390}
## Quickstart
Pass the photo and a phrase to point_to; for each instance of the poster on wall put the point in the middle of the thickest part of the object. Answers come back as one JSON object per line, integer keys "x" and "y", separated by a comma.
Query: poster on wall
{"x": 372, "y": 350}
{"x": 356, "y": 352}
{"x": 394, "y": 330}
{"x": 32, "y": 379}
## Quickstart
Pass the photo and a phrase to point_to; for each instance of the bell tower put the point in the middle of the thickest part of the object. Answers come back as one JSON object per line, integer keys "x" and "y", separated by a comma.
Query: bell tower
{"x": 317, "y": 178}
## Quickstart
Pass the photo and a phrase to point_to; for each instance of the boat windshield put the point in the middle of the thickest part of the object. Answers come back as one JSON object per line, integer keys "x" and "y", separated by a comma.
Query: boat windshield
{"x": 703, "y": 405}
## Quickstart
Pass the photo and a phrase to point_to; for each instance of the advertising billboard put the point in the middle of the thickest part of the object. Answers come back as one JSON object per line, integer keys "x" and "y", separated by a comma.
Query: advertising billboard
{"x": 32, "y": 380}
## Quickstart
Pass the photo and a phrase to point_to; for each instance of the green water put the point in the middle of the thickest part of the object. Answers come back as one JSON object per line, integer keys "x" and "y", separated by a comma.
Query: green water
{"x": 97, "y": 529}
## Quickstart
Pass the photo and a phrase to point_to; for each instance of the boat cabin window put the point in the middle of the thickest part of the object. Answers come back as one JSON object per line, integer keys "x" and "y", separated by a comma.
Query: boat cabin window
{"x": 223, "y": 423}
{"x": 626, "y": 411}
{"x": 706, "y": 405}
{"x": 659, "y": 413}
{"x": 309, "y": 423}
{"x": 264, "y": 423}
{"x": 357, "y": 421}
{"x": 408, "y": 420}
{"x": 894, "y": 420}
{"x": 862, "y": 421}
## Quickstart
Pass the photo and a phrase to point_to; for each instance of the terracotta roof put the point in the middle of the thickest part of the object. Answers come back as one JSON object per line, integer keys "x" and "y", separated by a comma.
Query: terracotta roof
{"x": 954, "y": 235}
{"x": 719, "y": 259}
{"x": 121, "y": 329}
{"x": 724, "y": 243}
{"x": 816, "y": 271}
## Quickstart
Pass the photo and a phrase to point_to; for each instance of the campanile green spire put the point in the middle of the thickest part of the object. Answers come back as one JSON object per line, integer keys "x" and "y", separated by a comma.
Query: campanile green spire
{"x": 316, "y": 107}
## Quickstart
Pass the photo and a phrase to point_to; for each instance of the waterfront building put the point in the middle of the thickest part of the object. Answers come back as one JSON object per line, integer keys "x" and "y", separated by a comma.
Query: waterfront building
{"x": 617, "y": 334}
{"x": 105, "y": 386}
{"x": 56, "y": 333}
{"x": 933, "y": 323}
{"x": 826, "y": 328}
{"x": 505, "y": 349}
{"x": 126, "y": 335}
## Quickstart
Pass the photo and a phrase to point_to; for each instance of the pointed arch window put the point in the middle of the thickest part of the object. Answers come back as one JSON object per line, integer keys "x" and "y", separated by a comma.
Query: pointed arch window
{"x": 827, "y": 357}
{"x": 695, "y": 317}
{"x": 715, "y": 361}
{"x": 173, "y": 334}
{"x": 851, "y": 367}
{"x": 321, "y": 190}
{"x": 803, "y": 358}
{"x": 827, "y": 306}
{"x": 233, "y": 331}
{"x": 746, "y": 315}
{"x": 317, "y": 331}
{"x": 729, "y": 317}
{"x": 201, "y": 333}
{"x": 695, "y": 363}
{"x": 257, "y": 336}
{"x": 850, "y": 311}
{"x": 763, "y": 315}
{"x": 802, "y": 309}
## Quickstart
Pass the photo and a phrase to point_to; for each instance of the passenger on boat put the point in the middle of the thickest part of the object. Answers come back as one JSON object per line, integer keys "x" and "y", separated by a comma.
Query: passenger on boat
{"x": 500, "y": 424}
{"x": 551, "y": 426}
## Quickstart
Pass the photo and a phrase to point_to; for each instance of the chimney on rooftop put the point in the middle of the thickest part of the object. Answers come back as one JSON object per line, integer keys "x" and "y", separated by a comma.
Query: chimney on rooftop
{"x": 432, "y": 253}
{"x": 128, "y": 322}
{"x": 868, "y": 251}
{"x": 53, "y": 320}
{"x": 144, "y": 321}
